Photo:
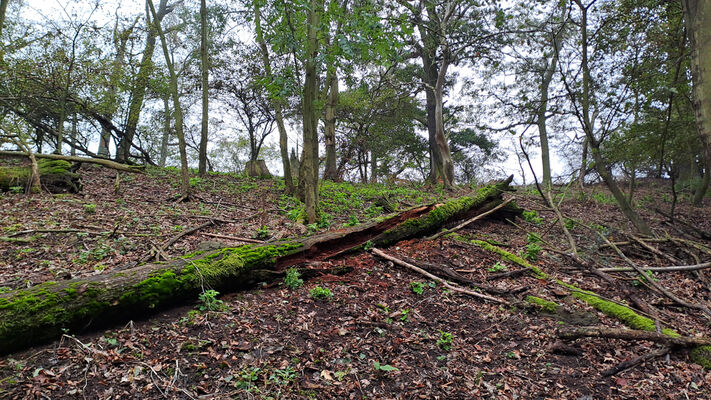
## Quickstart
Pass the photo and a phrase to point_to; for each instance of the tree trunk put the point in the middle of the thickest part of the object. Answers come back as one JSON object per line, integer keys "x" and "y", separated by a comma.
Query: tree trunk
{"x": 138, "y": 92}
{"x": 100, "y": 161}
{"x": 309, "y": 163}
{"x": 73, "y": 136}
{"x": 43, "y": 312}
{"x": 166, "y": 131}
{"x": 177, "y": 109}
{"x": 202, "y": 157}
{"x": 330, "y": 172}
{"x": 588, "y": 124}
{"x": 546, "y": 79}
{"x": 697, "y": 18}
{"x": 276, "y": 104}
{"x": 57, "y": 176}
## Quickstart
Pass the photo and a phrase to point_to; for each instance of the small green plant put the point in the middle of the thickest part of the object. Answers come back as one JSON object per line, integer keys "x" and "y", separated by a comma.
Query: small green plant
{"x": 603, "y": 198}
{"x": 532, "y": 217}
{"x": 445, "y": 340}
{"x": 383, "y": 367}
{"x": 194, "y": 181}
{"x": 293, "y": 280}
{"x": 403, "y": 315}
{"x": 498, "y": 267}
{"x": 319, "y": 293}
{"x": 90, "y": 208}
{"x": 247, "y": 377}
{"x": 352, "y": 220}
{"x": 263, "y": 233}
{"x": 368, "y": 246}
{"x": 533, "y": 248}
{"x": 417, "y": 287}
{"x": 283, "y": 376}
{"x": 16, "y": 189}
{"x": 532, "y": 252}
{"x": 209, "y": 302}
{"x": 569, "y": 224}
{"x": 648, "y": 276}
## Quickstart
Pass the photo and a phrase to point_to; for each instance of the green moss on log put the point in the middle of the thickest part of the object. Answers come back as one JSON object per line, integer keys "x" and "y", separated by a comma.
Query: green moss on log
{"x": 543, "y": 304}
{"x": 52, "y": 173}
{"x": 702, "y": 356}
{"x": 448, "y": 211}
{"x": 46, "y": 310}
{"x": 508, "y": 256}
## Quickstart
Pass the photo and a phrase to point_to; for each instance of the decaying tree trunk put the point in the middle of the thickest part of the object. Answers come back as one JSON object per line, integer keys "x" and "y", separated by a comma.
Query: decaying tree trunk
{"x": 75, "y": 159}
{"x": 43, "y": 312}
{"x": 56, "y": 176}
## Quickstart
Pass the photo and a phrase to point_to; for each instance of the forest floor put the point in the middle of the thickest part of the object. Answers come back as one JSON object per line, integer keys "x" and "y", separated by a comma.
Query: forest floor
{"x": 385, "y": 333}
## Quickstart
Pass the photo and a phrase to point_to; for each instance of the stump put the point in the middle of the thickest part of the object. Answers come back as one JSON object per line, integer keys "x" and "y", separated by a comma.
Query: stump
{"x": 257, "y": 168}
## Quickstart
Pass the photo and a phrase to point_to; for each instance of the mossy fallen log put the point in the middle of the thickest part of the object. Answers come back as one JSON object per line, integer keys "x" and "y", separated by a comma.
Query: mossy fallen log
{"x": 56, "y": 176}
{"x": 137, "y": 169}
{"x": 43, "y": 312}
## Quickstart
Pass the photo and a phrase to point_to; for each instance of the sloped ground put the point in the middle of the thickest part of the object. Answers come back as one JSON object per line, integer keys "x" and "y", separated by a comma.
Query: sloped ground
{"x": 374, "y": 338}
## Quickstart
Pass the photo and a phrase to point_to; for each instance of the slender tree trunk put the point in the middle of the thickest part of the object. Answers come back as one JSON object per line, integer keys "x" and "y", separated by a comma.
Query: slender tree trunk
{"x": 166, "y": 131}
{"x": 3, "y": 10}
{"x": 138, "y": 92}
{"x": 546, "y": 79}
{"x": 330, "y": 171}
{"x": 697, "y": 17}
{"x": 204, "y": 66}
{"x": 178, "y": 111}
{"x": 703, "y": 184}
{"x": 309, "y": 164}
{"x": 276, "y": 104}
{"x": 74, "y": 136}
{"x": 445, "y": 168}
{"x": 600, "y": 165}
{"x": 373, "y": 167}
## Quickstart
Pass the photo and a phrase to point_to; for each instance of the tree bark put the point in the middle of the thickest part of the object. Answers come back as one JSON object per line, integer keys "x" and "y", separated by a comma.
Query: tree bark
{"x": 330, "y": 172}
{"x": 43, "y": 312}
{"x": 697, "y": 18}
{"x": 309, "y": 163}
{"x": 202, "y": 156}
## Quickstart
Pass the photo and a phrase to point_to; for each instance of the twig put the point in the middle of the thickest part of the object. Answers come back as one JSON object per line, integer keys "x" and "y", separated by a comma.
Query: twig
{"x": 661, "y": 269}
{"x": 635, "y": 361}
{"x": 446, "y": 284}
{"x": 469, "y": 221}
{"x": 69, "y": 230}
{"x": 235, "y": 238}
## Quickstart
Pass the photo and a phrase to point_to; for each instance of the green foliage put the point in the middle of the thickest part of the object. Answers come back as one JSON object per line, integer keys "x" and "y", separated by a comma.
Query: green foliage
{"x": 293, "y": 280}
{"x": 209, "y": 302}
{"x": 498, "y": 267}
{"x": 383, "y": 367}
{"x": 647, "y": 276}
{"x": 417, "y": 287}
{"x": 532, "y": 251}
{"x": 603, "y": 198}
{"x": 283, "y": 377}
{"x": 262, "y": 233}
{"x": 319, "y": 293}
{"x": 90, "y": 208}
{"x": 532, "y": 217}
{"x": 352, "y": 220}
{"x": 16, "y": 189}
{"x": 195, "y": 181}
{"x": 445, "y": 340}
{"x": 404, "y": 314}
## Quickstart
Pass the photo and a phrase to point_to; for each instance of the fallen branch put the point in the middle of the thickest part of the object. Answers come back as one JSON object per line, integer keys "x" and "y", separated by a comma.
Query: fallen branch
{"x": 469, "y": 221}
{"x": 234, "y": 238}
{"x": 632, "y": 334}
{"x": 625, "y": 365}
{"x": 446, "y": 284}
{"x": 674, "y": 268}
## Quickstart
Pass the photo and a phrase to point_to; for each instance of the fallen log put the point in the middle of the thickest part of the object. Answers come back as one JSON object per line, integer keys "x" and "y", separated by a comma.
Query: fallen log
{"x": 56, "y": 176}
{"x": 632, "y": 334}
{"x": 43, "y": 312}
{"x": 75, "y": 159}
